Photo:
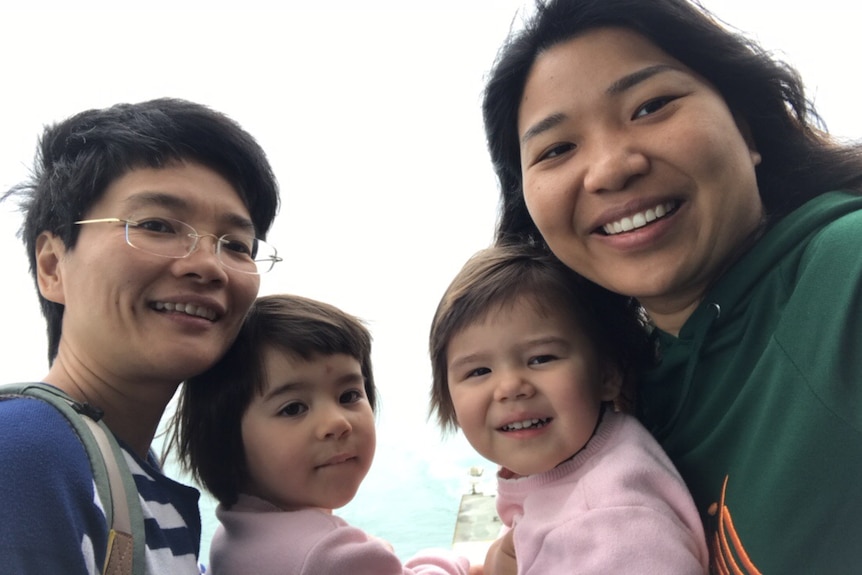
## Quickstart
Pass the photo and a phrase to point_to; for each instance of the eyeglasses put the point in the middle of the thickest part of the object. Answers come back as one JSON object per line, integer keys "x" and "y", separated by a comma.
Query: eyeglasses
{"x": 170, "y": 238}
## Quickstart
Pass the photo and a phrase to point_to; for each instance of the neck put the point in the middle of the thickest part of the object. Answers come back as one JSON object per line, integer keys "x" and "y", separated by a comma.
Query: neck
{"x": 670, "y": 316}
{"x": 601, "y": 416}
{"x": 132, "y": 410}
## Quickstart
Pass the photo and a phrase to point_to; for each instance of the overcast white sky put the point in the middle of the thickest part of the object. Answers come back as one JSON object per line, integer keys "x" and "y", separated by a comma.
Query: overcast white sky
{"x": 370, "y": 115}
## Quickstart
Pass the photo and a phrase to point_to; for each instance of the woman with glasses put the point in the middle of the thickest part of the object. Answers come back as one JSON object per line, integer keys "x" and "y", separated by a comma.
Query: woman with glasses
{"x": 145, "y": 227}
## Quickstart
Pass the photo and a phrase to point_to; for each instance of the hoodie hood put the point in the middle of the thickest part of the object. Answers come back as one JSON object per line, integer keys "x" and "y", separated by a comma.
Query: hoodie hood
{"x": 750, "y": 293}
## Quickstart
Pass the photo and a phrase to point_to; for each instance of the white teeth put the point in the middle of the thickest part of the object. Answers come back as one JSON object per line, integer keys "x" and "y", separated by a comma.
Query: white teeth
{"x": 187, "y": 308}
{"x": 638, "y": 220}
{"x": 527, "y": 423}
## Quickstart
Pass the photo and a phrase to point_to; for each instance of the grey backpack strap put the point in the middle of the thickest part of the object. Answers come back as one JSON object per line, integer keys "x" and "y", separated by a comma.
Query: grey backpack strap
{"x": 114, "y": 481}
{"x": 119, "y": 557}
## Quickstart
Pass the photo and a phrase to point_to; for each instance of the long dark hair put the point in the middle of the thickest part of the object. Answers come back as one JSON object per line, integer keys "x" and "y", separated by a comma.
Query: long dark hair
{"x": 800, "y": 160}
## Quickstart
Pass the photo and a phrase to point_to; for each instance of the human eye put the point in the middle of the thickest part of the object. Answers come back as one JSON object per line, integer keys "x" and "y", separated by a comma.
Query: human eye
{"x": 478, "y": 372}
{"x": 351, "y": 396}
{"x": 652, "y": 106}
{"x": 293, "y": 409}
{"x": 540, "y": 359}
{"x": 556, "y": 150}
{"x": 157, "y": 225}
{"x": 238, "y": 245}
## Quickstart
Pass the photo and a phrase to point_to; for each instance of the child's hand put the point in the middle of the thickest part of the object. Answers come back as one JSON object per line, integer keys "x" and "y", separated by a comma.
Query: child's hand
{"x": 476, "y": 570}
{"x": 500, "y": 559}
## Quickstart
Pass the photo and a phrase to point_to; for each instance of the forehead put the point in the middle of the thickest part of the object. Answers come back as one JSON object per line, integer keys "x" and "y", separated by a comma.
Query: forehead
{"x": 591, "y": 64}
{"x": 186, "y": 189}
{"x": 548, "y": 309}
{"x": 286, "y": 366}
{"x": 600, "y": 48}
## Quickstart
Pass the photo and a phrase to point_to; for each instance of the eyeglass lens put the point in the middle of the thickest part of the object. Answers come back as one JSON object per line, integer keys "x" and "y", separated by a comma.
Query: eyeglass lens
{"x": 175, "y": 239}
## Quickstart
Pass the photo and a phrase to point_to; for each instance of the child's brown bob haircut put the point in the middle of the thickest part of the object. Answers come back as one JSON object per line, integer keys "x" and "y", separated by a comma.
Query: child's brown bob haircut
{"x": 208, "y": 421}
{"x": 498, "y": 276}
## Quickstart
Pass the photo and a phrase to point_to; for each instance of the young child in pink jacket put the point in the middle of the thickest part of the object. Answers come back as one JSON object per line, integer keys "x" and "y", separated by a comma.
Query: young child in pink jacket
{"x": 529, "y": 361}
{"x": 281, "y": 431}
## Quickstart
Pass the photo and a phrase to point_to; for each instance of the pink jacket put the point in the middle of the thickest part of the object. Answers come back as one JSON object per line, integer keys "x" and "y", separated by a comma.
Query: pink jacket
{"x": 618, "y": 506}
{"x": 257, "y": 538}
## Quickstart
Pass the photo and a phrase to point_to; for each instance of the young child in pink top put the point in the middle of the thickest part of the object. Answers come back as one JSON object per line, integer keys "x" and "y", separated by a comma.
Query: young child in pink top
{"x": 529, "y": 360}
{"x": 281, "y": 431}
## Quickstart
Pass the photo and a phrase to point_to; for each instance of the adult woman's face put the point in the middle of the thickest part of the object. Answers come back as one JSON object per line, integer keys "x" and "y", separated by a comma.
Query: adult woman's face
{"x": 635, "y": 171}
{"x": 134, "y": 315}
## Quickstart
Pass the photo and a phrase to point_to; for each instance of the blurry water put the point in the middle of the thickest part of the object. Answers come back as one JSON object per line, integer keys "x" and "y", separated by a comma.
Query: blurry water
{"x": 411, "y": 495}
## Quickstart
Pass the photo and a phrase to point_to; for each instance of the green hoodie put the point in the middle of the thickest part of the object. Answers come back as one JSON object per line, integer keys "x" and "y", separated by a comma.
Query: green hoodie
{"x": 758, "y": 402}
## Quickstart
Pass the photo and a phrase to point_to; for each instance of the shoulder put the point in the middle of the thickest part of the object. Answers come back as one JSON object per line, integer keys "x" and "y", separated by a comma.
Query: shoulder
{"x": 630, "y": 469}
{"x": 348, "y": 549}
{"x": 629, "y": 492}
{"x": 250, "y": 515}
{"x": 623, "y": 465}
{"x": 255, "y": 539}
{"x": 37, "y": 439}
{"x": 838, "y": 238}
{"x": 630, "y": 451}
{"x": 828, "y": 232}
{"x": 47, "y": 492}
{"x": 823, "y": 283}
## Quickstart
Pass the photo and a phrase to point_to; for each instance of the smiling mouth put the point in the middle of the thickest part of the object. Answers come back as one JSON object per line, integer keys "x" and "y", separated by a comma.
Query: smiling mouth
{"x": 534, "y": 423}
{"x": 640, "y": 219}
{"x": 186, "y": 308}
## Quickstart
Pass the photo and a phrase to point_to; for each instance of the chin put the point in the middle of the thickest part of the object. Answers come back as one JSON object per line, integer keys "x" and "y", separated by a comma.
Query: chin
{"x": 186, "y": 367}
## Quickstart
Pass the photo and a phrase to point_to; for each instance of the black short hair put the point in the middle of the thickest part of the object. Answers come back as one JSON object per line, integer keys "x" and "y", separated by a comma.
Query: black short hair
{"x": 78, "y": 158}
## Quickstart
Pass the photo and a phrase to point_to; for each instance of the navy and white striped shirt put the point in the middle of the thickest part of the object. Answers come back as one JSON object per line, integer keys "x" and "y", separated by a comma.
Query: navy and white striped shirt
{"x": 51, "y": 519}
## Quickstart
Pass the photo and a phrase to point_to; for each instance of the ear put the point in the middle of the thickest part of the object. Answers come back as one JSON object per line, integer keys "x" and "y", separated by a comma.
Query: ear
{"x": 745, "y": 130}
{"x": 50, "y": 249}
{"x": 611, "y": 382}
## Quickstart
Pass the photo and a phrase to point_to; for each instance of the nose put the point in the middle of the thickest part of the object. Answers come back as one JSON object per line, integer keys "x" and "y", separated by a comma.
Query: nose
{"x": 333, "y": 423}
{"x": 203, "y": 261}
{"x": 512, "y": 386}
{"x": 612, "y": 164}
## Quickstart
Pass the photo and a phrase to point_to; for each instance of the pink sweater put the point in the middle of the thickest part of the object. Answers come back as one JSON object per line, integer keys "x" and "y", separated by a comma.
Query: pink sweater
{"x": 618, "y": 506}
{"x": 257, "y": 538}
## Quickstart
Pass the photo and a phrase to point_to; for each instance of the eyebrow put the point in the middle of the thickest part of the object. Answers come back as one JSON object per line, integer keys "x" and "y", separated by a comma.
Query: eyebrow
{"x": 480, "y": 356}
{"x": 288, "y": 387}
{"x": 617, "y": 87}
{"x": 176, "y": 203}
{"x": 543, "y": 126}
{"x": 635, "y": 78}
{"x": 351, "y": 378}
{"x": 458, "y": 362}
{"x": 146, "y": 199}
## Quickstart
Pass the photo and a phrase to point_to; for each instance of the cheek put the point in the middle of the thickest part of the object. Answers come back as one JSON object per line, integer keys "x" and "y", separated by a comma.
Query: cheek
{"x": 248, "y": 287}
{"x": 716, "y": 151}
{"x": 537, "y": 202}
{"x": 253, "y": 435}
{"x": 726, "y": 168}
{"x": 366, "y": 423}
{"x": 244, "y": 291}
{"x": 550, "y": 201}
{"x": 468, "y": 408}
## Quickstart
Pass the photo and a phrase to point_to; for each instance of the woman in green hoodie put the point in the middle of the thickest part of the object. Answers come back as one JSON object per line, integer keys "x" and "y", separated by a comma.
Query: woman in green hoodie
{"x": 675, "y": 162}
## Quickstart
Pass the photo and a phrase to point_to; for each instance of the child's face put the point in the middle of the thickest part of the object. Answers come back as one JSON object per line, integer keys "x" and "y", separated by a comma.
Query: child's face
{"x": 309, "y": 438}
{"x": 527, "y": 386}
